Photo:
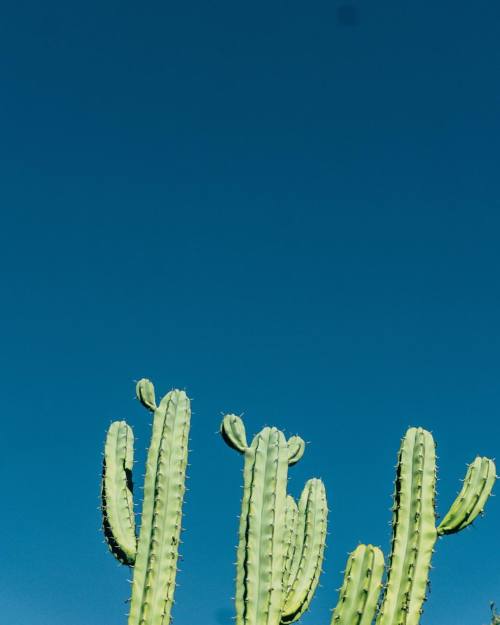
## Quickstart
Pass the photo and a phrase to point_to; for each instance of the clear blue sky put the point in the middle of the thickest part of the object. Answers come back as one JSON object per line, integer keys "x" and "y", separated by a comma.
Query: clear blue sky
{"x": 289, "y": 209}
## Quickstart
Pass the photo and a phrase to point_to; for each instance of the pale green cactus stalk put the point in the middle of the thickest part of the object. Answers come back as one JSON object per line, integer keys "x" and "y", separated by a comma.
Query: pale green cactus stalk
{"x": 154, "y": 556}
{"x": 358, "y": 597}
{"x": 414, "y": 529}
{"x": 281, "y": 544}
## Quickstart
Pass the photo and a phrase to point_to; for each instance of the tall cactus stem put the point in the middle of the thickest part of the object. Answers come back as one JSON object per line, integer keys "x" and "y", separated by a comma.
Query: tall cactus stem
{"x": 309, "y": 550}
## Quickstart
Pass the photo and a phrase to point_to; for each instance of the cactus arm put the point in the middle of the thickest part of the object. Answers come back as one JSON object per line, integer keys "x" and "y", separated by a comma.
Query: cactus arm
{"x": 309, "y": 558}
{"x": 414, "y": 532}
{"x": 116, "y": 493}
{"x": 296, "y": 448}
{"x": 360, "y": 590}
{"x": 291, "y": 515}
{"x": 145, "y": 392}
{"x": 478, "y": 484}
{"x": 233, "y": 432}
{"x": 156, "y": 562}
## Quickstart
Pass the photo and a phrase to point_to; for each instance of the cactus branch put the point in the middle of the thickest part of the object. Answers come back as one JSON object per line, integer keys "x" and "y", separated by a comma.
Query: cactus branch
{"x": 360, "y": 590}
{"x": 116, "y": 493}
{"x": 470, "y": 502}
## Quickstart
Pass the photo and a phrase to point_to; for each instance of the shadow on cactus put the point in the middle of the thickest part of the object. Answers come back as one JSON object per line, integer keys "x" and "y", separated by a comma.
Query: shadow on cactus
{"x": 281, "y": 543}
{"x": 154, "y": 554}
{"x": 414, "y": 534}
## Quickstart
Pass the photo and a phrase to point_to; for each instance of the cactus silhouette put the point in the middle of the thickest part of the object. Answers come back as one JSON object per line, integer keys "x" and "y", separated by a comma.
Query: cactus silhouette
{"x": 154, "y": 555}
{"x": 281, "y": 544}
{"x": 414, "y": 534}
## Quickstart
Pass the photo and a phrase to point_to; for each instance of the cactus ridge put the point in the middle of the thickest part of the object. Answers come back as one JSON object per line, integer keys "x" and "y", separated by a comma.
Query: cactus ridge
{"x": 154, "y": 556}
{"x": 116, "y": 493}
{"x": 309, "y": 550}
{"x": 291, "y": 519}
{"x": 414, "y": 532}
{"x": 270, "y": 525}
{"x": 358, "y": 597}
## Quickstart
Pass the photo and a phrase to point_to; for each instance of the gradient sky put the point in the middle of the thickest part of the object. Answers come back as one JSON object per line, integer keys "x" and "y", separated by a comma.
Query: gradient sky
{"x": 291, "y": 210}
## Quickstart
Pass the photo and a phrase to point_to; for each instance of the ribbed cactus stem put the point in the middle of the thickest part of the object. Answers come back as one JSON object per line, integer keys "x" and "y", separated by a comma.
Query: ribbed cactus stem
{"x": 414, "y": 531}
{"x": 156, "y": 562}
{"x": 360, "y": 590}
{"x": 267, "y": 461}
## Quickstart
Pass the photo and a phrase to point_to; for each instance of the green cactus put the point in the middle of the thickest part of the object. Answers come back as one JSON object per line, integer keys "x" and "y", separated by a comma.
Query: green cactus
{"x": 154, "y": 555}
{"x": 413, "y": 539}
{"x": 281, "y": 544}
{"x": 359, "y": 594}
{"x": 414, "y": 532}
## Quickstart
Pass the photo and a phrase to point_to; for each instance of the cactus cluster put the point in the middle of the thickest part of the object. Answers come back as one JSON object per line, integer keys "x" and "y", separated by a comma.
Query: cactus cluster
{"x": 281, "y": 541}
{"x": 154, "y": 554}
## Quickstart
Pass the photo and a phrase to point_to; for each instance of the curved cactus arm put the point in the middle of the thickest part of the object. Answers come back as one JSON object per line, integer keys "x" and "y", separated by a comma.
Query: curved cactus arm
{"x": 117, "y": 503}
{"x": 156, "y": 562}
{"x": 478, "y": 484}
{"x": 233, "y": 432}
{"x": 413, "y": 530}
{"x": 291, "y": 515}
{"x": 360, "y": 590}
{"x": 296, "y": 448}
{"x": 145, "y": 392}
{"x": 308, "y": 555}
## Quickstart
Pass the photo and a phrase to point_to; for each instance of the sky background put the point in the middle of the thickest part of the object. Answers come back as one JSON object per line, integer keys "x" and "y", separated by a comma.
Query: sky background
{"x": 291, "y": 210}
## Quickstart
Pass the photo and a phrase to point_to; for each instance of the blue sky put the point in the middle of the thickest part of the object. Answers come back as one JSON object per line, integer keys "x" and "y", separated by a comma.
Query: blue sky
{"x": 291, "y": 210}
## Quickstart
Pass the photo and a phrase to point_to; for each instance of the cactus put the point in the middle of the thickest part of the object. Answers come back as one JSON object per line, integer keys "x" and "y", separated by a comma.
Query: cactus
{"x": 413, "y": 539}
{"x": 154, "y": 555}
{"x": 358, "y": 597}
{"x": 281, "y": 544}
{"x": 414, "y": 532}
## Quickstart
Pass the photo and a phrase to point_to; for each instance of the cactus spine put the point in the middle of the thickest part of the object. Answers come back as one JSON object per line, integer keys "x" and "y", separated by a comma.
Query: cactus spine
{"x": 154, "y": 555}
{"x": 281, "y": 545}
